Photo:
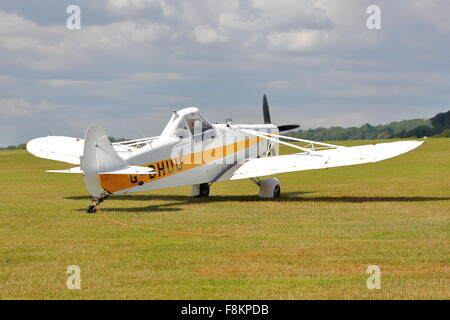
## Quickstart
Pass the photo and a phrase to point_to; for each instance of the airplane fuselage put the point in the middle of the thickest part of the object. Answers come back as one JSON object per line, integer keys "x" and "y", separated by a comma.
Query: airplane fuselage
{"x": 178, "y": 161}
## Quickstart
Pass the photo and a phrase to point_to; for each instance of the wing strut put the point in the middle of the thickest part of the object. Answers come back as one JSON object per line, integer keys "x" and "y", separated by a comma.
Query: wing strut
{"x": 265, "y": 136}
{"x": 311, "y": 143}
{"x": 311, "y": 147}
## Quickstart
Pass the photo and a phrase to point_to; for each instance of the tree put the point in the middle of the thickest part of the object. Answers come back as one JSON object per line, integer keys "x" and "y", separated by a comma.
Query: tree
{"x": 443, "y": 134}
{"x": 441, "y": 121}
{"x": 420, "y": 132}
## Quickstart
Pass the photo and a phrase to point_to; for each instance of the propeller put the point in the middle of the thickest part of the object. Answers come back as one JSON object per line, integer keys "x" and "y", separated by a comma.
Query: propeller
{"x": 288, "y": 127}
{"x": 266, "y": 114}
{"x": 266, "y": 111}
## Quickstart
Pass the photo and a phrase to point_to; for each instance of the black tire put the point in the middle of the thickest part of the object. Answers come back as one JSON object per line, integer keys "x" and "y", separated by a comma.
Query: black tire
{"x": 91, "y": 209}
{"x": 277, "y": 191}
{"x": 204, "y": 190}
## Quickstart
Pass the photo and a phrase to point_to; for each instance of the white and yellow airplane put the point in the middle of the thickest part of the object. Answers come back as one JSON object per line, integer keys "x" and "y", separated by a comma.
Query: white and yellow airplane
{"x": 191, "y": 151}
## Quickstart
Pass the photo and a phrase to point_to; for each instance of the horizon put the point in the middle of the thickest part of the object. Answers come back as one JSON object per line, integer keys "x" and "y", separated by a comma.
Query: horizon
{"x": 299, "y": 129}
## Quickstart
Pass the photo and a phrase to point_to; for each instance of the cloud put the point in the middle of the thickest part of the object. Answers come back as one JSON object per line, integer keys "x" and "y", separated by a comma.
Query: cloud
{"x": 56, "y": 48}
{"x": 274, "y": 15}
{"x": 155, "y": 76}
{"x": 167, "y": 9}
{"x": 207, "y": 35}
{"x": 306, "y": 40}
{"x": 277, "y": 85}
{"x": 121, "y": 5}
{"x": 18, "y": 107}
{"x": 63, "y": 83}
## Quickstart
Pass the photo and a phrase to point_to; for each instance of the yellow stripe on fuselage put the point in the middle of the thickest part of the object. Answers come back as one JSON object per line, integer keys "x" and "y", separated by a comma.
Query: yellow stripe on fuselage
{"x": 165, "y": 168}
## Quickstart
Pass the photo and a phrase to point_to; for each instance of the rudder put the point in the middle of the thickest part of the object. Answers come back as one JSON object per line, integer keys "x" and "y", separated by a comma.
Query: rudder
{"x": 98, "y": 156}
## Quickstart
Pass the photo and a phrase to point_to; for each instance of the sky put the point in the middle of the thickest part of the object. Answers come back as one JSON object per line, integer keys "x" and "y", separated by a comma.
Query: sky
{"x": 134, "y": 61}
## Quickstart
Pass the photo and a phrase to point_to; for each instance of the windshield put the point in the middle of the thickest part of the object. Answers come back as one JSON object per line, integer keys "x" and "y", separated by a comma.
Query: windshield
{"x": 197, "y": 124}
{"x": 181, "y": 131}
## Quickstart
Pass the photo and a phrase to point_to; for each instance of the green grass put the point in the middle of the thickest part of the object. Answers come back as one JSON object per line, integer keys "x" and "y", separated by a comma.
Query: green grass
{"x": 298, "y": 247}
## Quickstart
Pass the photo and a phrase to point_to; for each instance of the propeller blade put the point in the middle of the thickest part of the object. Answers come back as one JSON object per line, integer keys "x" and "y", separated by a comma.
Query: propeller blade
{"x": 288, "y": 127}
{"x": 266, "y": 112}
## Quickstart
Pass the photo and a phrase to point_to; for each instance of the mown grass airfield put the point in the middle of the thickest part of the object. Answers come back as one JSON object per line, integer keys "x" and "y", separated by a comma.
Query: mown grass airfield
{"x": 315, "y": 242}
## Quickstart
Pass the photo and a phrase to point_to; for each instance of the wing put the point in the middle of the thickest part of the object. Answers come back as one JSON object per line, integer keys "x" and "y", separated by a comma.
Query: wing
{"x": 341, "y": 156}
{"x": 69, "y": 149}
{"x": 65, "y": 149}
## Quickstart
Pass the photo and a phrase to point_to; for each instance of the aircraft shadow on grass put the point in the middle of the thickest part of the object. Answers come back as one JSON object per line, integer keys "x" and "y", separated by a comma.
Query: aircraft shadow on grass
{"x": 176, "y": 201}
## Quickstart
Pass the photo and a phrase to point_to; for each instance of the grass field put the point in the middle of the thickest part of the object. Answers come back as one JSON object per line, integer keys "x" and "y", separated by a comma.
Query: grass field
{"x": 315, "y": 242}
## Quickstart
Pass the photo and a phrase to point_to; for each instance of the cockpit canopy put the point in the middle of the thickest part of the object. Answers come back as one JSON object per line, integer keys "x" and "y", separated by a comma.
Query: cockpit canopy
{"x": 185, "y": 123}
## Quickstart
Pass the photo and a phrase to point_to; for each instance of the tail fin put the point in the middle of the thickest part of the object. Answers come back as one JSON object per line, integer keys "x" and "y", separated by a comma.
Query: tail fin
{"x": 99, "y": 156}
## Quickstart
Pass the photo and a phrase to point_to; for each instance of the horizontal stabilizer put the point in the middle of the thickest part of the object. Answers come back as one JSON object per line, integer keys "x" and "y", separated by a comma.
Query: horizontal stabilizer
{"x": 132, "y": 170}
{"x": 71, "y": 170}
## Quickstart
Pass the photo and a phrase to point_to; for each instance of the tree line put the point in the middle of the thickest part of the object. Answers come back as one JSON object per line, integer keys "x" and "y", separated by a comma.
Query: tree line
{"x": 438, "y": 126}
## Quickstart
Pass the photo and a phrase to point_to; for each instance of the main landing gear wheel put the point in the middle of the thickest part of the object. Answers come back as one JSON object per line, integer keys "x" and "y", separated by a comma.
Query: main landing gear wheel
{"x": 200, "y": 190}
{"x": 277, "y": 191}
{"x": 269, "y": 188}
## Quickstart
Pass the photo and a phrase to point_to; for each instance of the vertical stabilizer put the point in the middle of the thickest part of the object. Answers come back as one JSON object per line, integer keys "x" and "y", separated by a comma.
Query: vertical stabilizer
{"x": 99, "y": 156}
